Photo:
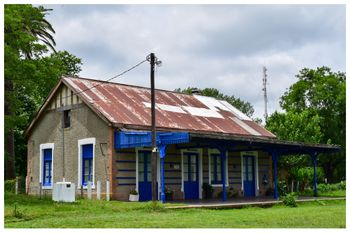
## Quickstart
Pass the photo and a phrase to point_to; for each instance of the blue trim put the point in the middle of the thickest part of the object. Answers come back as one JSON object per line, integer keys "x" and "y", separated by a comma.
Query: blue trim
{"x": 132, "y": 139}
{"x": 162, "y": 192}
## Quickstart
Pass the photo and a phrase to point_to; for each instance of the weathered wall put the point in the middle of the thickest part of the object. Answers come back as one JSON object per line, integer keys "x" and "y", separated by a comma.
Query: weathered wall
{"x": 125, "y": 178}
{"x": 84, "y": 124}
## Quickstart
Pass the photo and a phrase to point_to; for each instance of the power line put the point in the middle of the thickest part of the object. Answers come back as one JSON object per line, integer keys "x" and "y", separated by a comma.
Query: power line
{"x": 116, "y": 76}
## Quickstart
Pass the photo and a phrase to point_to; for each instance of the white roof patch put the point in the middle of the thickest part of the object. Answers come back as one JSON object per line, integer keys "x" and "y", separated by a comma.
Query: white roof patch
{"x": 245, "y": 126}
{"x": 235, "y": 111}
{"x": 204, "y": 112}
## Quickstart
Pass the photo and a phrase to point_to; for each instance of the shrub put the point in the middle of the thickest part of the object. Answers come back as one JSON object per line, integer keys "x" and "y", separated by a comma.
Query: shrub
{"x": 133, "y": 192}
{"x": 208, "y": 190}
{"x": 10, "y": 185}
{"x": 305, "y": 176}
{"x": 228, "y": 194}
{"x": 154, "y": 206}
{"x": 282, "y": 187}
{"x": 17, "y": 213}
{"x": 289, "y": 200}
{"x": 331, "y": 187}
{"x": 269, "y": 191}
{"x": 168, "y": 194}
{"x": 342, "y": 185}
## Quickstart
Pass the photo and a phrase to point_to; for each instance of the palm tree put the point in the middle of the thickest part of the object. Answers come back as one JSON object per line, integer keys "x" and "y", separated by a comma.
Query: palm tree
{"x": 27, "y": 32}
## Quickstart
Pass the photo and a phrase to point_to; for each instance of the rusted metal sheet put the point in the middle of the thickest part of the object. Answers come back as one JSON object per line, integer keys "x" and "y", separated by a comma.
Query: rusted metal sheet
{"x": 130, "y": 105}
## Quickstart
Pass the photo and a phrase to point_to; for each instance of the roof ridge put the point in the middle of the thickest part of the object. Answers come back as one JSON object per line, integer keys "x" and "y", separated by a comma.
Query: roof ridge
{"x": 130, "y": 85}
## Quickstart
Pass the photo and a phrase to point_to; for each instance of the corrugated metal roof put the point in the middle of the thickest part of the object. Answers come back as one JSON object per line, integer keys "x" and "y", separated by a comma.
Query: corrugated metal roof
{"x": 130, "y": 105}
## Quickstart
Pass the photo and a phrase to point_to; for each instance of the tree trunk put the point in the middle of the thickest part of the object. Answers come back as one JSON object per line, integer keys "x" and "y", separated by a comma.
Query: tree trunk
{"x": 10, "y": 172}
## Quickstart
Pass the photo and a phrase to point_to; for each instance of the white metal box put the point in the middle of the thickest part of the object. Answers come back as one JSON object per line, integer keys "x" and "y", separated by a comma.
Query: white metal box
{"x": 63, "y": 191}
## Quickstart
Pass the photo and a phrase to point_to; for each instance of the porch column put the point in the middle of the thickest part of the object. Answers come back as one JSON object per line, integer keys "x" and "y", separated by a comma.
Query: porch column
{"x": 274, "y": 160}
{"x": 223, "y": 173}
{"x": 314, "y": 157}
{"x": 162, "y": 149}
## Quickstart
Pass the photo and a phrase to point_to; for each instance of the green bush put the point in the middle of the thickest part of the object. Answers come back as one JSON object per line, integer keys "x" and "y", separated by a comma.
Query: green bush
{"x": 289, "y": 200}
{"x": 305, "y": 176}
{"x": 331, "y": 187}
{"x": 342, "y": 185}
{"x": 10, "y": 185}
{"x": 282, "y": 188}
{"x": 208, "y": 190}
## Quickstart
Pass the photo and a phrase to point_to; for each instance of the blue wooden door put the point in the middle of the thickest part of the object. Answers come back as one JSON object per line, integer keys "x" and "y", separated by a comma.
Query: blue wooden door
{"x": 191, "y": 183}
{"x": 145, "y": 176}
{"x": 249, "y": 176}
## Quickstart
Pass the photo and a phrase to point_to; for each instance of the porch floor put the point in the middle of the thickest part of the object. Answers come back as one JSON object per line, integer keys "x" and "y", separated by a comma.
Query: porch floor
{"x": 239, "y": 202}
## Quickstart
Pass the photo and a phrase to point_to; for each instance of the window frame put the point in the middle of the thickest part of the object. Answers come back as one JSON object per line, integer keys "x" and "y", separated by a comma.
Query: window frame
{"x": 67, "y": 115}
{"x": 217, "y": 152}
{"x": 43, "y": 147}
{"x": 81, "y": 143}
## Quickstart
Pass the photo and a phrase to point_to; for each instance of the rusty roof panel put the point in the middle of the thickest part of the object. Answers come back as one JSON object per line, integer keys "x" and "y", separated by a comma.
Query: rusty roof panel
{"x": 130, "y": 105}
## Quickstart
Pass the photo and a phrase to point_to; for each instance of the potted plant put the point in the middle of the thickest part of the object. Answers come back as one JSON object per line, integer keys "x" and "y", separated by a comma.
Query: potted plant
{"x": 133, "y": 195}
{"x": 208, "y": 190}
{"x": 168, "y": 194}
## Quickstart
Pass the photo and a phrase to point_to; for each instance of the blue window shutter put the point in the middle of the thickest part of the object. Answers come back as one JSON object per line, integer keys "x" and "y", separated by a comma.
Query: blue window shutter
{"x": 87, "y": 151}
{"x": 47, "y": 167}
{"x": 87, "y": 158}
{"x": 47, "y": 154}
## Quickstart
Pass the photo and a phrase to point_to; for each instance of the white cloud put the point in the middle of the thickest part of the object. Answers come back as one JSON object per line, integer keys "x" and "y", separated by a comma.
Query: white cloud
{"x": 220, "y": 46}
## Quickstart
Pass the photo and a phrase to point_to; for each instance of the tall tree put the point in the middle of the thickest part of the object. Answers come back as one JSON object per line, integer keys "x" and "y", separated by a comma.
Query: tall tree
{"x": 242, "y": 105}
{"x": 321, "y": 93}
{"x": 30, "y": 72}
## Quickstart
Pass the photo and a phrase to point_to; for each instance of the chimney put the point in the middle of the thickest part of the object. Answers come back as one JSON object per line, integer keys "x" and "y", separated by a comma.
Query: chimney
{"x": 195, "y": 91}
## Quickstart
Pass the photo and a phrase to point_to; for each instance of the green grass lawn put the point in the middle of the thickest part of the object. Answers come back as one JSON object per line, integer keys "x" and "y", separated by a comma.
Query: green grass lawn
{"x": 34, "y": 213}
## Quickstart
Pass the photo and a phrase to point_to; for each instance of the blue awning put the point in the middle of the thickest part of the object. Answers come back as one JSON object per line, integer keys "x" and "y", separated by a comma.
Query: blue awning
{"x": 132, "y": 139}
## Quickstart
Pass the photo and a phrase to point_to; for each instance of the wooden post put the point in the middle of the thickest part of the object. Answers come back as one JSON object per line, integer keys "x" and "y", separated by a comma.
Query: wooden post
{"x": 314, "y": 158}
{"x": 98, "y": 189}
{"x": 81, "y": 191}
{"x": 89, "y": 190}
{"x": 274, "y": 160}
{"x": 16, "y": 186}
{"x": 107, "y": 191}
{"x": 292, "y": 188}
{"x": 40, "y": 189}
{"x": 223, "y": 173}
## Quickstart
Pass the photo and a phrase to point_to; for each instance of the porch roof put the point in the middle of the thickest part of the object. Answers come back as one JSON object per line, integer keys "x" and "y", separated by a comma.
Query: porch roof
{"x": 259, "y": 143}
{"x": 130, "y": 139}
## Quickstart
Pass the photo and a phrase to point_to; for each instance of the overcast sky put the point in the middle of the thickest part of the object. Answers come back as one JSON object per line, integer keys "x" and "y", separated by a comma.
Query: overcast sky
{"x": 220, "y": 46}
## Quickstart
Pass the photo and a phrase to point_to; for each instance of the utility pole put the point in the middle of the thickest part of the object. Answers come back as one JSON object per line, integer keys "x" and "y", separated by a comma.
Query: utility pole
{"x": 152, "y": 59}
{"x": 265, "y": 91}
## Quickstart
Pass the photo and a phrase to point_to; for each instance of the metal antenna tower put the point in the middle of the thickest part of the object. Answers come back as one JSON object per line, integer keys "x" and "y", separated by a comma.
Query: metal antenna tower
{"x": 265, "y": 91}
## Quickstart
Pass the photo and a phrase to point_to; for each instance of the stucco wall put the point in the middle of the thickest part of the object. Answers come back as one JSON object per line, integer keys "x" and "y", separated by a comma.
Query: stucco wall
{"x": 84, "y": 124}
